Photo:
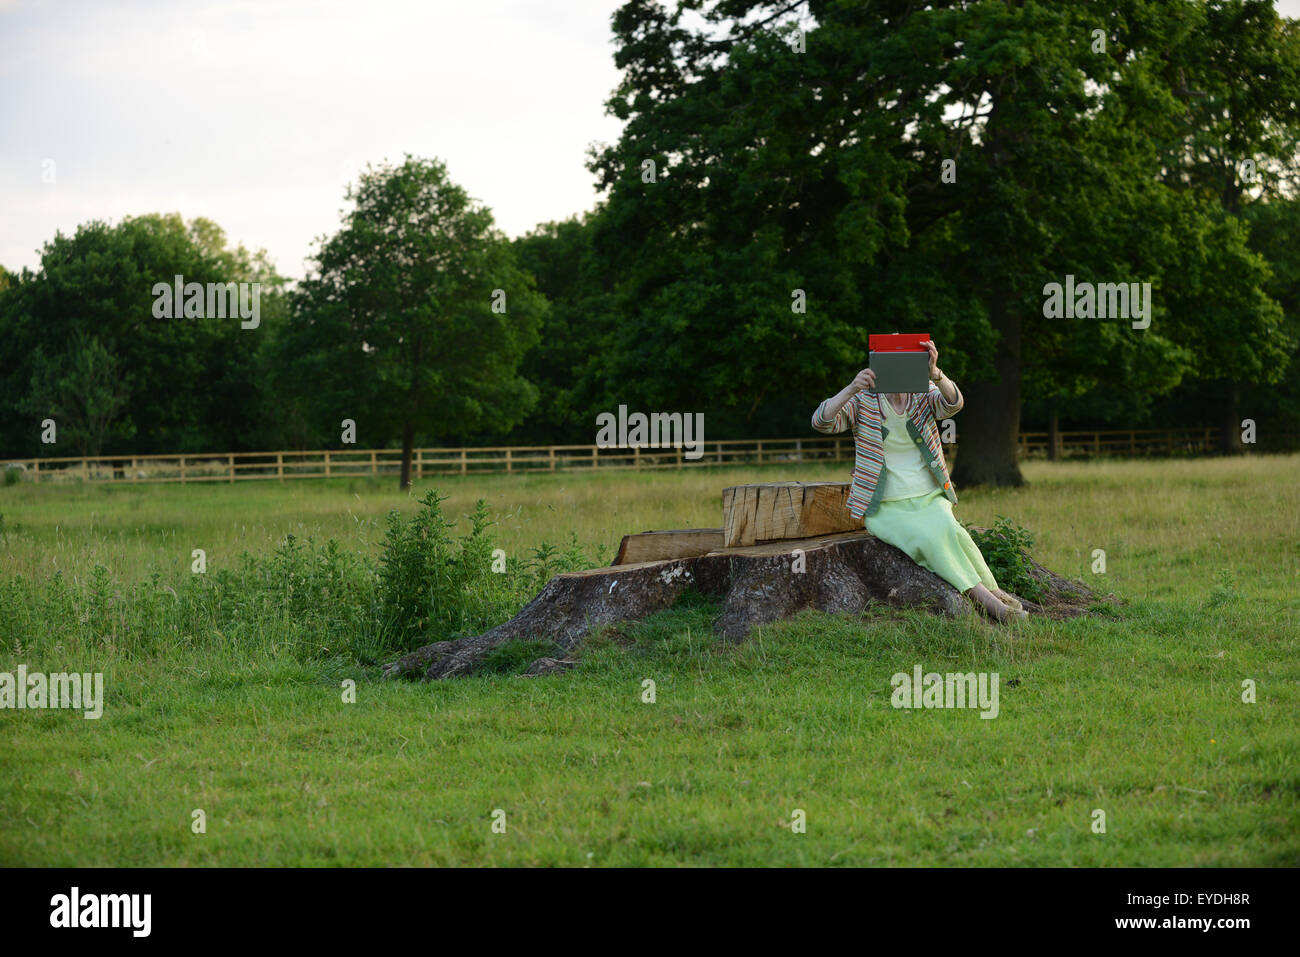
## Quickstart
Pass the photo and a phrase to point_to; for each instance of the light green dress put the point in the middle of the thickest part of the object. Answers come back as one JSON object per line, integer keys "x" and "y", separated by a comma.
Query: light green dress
{"x": 915, "y": 516}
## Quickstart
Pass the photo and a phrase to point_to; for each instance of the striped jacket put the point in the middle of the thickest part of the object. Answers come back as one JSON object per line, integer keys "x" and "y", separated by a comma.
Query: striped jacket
{"x": 862, "y": 413}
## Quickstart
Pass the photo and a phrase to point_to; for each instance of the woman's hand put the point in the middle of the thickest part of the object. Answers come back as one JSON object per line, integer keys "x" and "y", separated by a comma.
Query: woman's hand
{"x": 930, "y": 347}
{"x": 947, "y": 388}
{"x": 829, "y": 410}
{"x": 866, "y": 379}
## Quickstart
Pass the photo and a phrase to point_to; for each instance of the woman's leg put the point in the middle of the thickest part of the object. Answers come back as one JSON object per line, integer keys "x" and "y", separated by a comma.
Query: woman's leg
{"x": 925, "y": 529}
{"x": 987, "y": 591}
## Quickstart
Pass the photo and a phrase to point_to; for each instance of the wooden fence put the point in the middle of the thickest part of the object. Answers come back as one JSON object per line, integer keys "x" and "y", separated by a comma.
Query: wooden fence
{"x": 331, "y": 463}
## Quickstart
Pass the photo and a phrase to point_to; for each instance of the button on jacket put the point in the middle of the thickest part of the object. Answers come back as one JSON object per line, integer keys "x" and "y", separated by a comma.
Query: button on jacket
{"x": 862, "y": 414}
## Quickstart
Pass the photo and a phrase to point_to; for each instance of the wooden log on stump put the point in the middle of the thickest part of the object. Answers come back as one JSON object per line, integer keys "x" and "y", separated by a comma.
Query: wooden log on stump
{"x": 753, "y": 514}
{"x": 756, "y": 585}
{"x": 664, "y": 546}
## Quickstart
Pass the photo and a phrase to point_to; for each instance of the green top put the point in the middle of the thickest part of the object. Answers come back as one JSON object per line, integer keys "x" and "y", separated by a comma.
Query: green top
{"x": 904, "y": 474}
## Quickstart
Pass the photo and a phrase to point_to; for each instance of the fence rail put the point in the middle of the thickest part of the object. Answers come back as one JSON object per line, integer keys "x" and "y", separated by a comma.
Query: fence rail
{"x": 338, "y": 463}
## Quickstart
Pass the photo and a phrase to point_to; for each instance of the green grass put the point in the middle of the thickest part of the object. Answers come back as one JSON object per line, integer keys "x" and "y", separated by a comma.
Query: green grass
{"x": 1141, "y": 717}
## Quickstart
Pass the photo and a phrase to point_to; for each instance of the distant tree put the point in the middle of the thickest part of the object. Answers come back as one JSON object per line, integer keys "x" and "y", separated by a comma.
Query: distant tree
{"x": 82, "y": 390}
{"x": 1274, "y": 226}
{"x": 1234, "y": 72}
{"x": 190, "y": 383}
{"x": 415, "y": 318}
{"x": 567, "y": 364}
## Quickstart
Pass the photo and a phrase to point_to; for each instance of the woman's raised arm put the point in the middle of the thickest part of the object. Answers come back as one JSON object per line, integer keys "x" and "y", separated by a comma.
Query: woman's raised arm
{"x": 836, "y": 413}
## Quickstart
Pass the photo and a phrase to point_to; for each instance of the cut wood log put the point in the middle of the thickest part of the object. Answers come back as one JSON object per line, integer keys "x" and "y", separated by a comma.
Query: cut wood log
{"x": 752, "y": 514}
{"x": 756, "y": 585}
{"x": 665, "y": 546}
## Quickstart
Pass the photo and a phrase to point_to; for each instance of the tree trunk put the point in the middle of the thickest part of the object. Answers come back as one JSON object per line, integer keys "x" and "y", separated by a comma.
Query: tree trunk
{"x": 408, "y": 444}
{"x": 1230, "y": 425}
{"x": 1053, "y": 434}
{"x": 850, "y": 573}
{"x": 989, "y": 424}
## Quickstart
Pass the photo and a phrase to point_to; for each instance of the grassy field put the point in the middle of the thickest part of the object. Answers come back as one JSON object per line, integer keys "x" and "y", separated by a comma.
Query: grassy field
{"x": 1141, "y": 718}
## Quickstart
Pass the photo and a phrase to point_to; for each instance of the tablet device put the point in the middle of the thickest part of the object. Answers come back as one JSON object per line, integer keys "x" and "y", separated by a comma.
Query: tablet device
{"x": 900, "y": 371}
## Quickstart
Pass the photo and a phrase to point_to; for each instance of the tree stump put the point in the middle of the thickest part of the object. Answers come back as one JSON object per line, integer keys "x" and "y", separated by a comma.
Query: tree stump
{"x": 758, "y": 584}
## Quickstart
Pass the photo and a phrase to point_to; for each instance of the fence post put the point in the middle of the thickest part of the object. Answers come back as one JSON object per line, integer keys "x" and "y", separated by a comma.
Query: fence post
{"x": 679, "y": 456}
{"x": 327, "y": 463}
{"x": 374, "y": 463}
{"x": 760, "y": 451}
{"x": 419, "y": 463}
{"x": 279, "y": 466}
{"x": 134, "y": 469}
{"x": 1132, "y": 443}
{"x": 464, "y": 462}
{"x": 798, "y": 450}
{"x": 551, "y": 457}
{"x": 1096, "y": 443}
{"x": 595, "y": 459}
{"x": 231, "y": 461}
{"x": 1171, "y": 441}
{"x": 509, "y": 464}
{"x": 182, "y": 470}
{"x": 636, "y": 458}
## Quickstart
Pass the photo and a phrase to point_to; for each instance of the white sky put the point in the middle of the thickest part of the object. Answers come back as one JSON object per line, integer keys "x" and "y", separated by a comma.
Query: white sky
{"x": 256, "y": 113}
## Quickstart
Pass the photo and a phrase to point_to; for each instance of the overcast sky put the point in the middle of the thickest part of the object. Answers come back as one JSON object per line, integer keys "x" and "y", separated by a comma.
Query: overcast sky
{"x": 257, "y": 113}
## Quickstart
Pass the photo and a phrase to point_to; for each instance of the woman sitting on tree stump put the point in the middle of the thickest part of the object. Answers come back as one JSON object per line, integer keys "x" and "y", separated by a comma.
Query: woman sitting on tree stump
{"x": 901, "y": 486}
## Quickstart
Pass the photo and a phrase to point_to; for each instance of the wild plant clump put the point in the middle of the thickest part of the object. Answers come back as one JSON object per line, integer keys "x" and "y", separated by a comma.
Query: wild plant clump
{"x": 1005, "y": 548}
{"x": 305, "y": 600}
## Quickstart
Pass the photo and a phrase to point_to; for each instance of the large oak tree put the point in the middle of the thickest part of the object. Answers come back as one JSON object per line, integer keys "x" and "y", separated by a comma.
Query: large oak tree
{"x": 802, "y": 145}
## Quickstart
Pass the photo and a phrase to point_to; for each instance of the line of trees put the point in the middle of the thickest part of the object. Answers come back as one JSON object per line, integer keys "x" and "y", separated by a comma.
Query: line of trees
{"x": 792, "y": 176}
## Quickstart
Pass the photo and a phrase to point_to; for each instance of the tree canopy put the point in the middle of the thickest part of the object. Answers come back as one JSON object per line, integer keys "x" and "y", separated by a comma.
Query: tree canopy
{"x": 790, "y": 177}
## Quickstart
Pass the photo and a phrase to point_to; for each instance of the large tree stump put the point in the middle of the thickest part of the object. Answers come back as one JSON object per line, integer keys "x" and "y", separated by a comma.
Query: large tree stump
{"x": 841, "y": 574}
{"x": 569, "y": 607}
{"x": 757, "y": 585}
{"x": 778, "y": 511}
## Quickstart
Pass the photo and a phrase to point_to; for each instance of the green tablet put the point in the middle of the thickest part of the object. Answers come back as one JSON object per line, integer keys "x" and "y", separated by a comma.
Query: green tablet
{"x": 900, "y": 371}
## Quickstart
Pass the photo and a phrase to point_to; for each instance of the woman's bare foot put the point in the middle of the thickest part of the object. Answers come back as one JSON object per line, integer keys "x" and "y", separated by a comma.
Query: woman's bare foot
{"x": 996, "y": 609}
{"x": 1011, "y": 601}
